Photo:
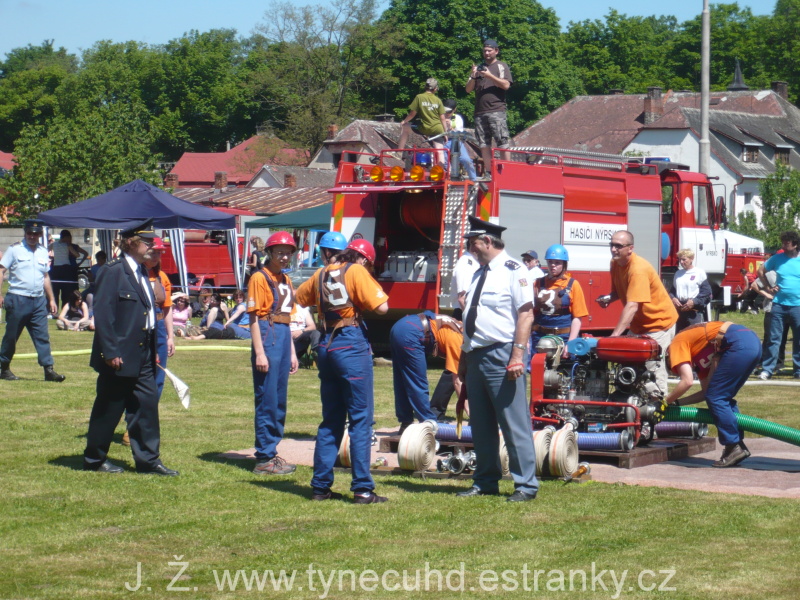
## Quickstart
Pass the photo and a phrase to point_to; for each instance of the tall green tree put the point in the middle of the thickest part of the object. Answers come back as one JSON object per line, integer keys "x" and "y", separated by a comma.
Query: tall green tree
{"x": 780, "y": 204}
{"x": 445, "y": 37}
{"x": 782, "y": 45}
{"x": 320, "y": 64}
{"x": 69, "y": 159}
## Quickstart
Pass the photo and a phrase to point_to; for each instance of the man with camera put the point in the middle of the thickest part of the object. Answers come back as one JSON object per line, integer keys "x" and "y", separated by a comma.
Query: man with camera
{"x": 490, "y": 81}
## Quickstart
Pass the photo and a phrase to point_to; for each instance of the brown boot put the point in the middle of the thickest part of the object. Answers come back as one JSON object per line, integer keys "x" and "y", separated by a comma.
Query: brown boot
{"x": 126, "y": 439}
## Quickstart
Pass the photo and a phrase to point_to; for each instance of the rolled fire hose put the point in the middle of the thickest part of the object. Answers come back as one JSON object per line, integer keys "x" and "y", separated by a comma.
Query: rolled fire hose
{"x": 672, "y": 429}
{"x": 563, "y": 457}
{"x": 448, "y": 433}
{"x": 541, "y": 445}
{"x": 344, "y": 450}
{"x": 618, "y": 440}
{"x": 417, "y": 447}
{"x": 746, "y": 422}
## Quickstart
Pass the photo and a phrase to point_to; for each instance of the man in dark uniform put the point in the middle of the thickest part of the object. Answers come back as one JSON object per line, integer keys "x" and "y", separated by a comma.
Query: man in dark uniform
{"x": 124, "y": 356}
{"x": 29, "y": 299}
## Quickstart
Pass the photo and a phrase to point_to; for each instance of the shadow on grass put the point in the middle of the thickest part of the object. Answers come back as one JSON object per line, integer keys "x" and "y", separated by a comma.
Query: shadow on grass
{"x": 245, "y": 464}
{"x": 75, "y": 462}
{"x": 448, "y": 486}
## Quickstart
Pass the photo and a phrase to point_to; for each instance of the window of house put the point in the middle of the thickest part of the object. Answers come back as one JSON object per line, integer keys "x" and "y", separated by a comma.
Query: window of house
{"x": 337, "y": 157}
{"x": 748, "y": 198}
{"x": 750, "y": 154}
{"x": 782, "y": 156}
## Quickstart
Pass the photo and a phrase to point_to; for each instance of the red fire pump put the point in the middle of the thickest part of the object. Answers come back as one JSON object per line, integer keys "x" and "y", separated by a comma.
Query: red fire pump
{"x": 602, "y": 383}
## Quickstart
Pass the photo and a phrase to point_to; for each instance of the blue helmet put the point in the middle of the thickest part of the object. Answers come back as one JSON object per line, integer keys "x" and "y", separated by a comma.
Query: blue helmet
{"x": 556, "y": 252}
{"x": 333, "y": 240}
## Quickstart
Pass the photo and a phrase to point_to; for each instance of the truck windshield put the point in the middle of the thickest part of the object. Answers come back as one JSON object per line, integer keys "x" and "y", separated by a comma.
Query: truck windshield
{"x": 667, "y": 194}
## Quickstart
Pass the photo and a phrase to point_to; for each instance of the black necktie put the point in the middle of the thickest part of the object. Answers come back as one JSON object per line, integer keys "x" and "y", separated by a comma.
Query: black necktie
{"x": 472, "y": 313}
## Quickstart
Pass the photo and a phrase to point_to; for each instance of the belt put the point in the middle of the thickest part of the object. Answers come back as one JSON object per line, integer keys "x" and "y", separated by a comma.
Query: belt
{"x": 345, "y": 322}
{"x": 721, "y": 333}
{"x": 282, "y": 319}
{"x": 24, "y": 295}
{"x": 551, "y": 330}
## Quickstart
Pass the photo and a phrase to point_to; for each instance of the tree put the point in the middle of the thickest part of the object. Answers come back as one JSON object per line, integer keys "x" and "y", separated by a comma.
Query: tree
{"x": 443, "y": 38}
{"x": 69, "y": 159}
{"x": 315, "y": 65}
{"x": 780, "y": 204}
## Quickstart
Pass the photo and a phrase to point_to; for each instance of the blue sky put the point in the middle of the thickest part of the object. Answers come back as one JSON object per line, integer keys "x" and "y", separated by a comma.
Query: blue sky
{"x": 78, "y": 24}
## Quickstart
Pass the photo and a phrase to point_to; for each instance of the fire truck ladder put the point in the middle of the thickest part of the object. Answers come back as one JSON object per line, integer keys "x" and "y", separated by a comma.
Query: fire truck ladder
{"x": 460, "y": 201}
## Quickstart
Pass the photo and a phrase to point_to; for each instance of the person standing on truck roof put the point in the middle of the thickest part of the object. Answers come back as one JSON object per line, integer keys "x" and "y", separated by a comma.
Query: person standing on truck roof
{"x": 724, "y": 355}
{"x": 455, "y": 122}
{"x": 647, "y": 308}
{"x": 497, "y": 326}
{"x": 786, "y": 303}
{"x": 270, "y": 298}
{"x": 431, "y": 115}
{"x": 490, "y": 81}
{"x": 342, "y": 290}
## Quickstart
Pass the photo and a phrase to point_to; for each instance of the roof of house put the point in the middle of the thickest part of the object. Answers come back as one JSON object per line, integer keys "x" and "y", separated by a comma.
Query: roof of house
{"x": 305, "y": 176}
{"x": 240, "y": 163}
{"x": 6, "y": 160}
{"x": 610, "y": 123}
{"x": 264, "y": 201}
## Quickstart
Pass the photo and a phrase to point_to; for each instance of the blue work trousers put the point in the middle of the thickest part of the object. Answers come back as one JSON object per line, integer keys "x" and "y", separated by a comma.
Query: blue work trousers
{"x": 495, "y": 400}
{"x": 740, "y": 352}
{"x": 31, "y": 313}
{"x": 781, "y": 316}
{"x": 270, "y": 388}
{"x": 345, "y": 374}
{"x": 410, "y": 371}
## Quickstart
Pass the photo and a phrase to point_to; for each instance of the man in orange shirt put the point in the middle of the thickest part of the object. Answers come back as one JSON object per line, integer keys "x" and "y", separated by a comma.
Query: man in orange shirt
{"x": 724, "y": 355}
{"x": 270, "y": 298}
{"x": 647, "y": 308}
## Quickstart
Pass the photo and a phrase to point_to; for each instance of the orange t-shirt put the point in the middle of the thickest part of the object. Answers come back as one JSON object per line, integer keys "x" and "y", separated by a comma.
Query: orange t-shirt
{"x": 361, "y": 289}
{"x": 694, "y": 345}
{"x": 449, "y": 342}
{"x": 638, "y": 282}
{"x": 260, "y": 298}
{"x": 166, "y": 283}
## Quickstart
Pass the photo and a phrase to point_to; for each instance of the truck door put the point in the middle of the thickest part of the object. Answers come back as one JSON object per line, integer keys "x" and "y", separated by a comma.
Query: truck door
{"x": 532, "y": 221}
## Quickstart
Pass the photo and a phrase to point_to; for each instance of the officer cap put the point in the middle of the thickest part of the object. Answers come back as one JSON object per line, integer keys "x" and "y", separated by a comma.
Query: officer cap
{"x": 479, "y": 227}
{"x": 33, "y": 225}
{"x": 143, "y": 230}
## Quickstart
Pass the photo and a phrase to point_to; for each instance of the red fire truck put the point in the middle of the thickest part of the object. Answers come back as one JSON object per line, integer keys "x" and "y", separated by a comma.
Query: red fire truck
{"x": 416, "y": 219}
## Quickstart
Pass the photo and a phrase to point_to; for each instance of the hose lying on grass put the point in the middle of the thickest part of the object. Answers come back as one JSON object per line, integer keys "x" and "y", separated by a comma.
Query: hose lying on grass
{"x": 746, "y": 422}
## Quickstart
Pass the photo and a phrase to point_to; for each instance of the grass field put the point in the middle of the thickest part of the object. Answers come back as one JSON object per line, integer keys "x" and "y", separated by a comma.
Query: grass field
{"x": 72, "y": 534}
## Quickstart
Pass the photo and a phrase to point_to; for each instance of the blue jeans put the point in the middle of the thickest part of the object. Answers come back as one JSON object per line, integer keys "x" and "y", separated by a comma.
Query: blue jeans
{"x": 345, "y": 374}
{"x": 782, "y": 314}
{"x": 23, "y": 312}
{"x": 410, "y": 370}
{"x": 270, "y": 388}
{"x": 464, "y": 160}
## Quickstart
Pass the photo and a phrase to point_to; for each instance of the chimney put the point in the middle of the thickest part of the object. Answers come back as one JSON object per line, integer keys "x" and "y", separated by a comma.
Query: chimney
{"x": 220, "y": 180}
{"x": 616, "y": 92}
{"x": 333, "y": 131}
{"x": 289, "y": 180}
{"x": 781, "y": 88}
{"x": 653, "y": 107}
{"x": 171, "y": 180}
{"x": 385, "y": 118}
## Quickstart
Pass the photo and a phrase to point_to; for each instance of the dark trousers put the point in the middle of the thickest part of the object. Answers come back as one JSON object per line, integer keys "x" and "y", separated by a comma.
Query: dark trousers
{"x": 137, "y": 397}
{"x": 308, "y": 339}
{"x": 24, "y": 312}
{"x": 64, "y": 279}
{"x": 442, "y": 393}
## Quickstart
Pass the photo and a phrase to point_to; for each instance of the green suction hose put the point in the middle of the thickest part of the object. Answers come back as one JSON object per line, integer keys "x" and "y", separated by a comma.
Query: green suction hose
{"x": 746, "y": 422}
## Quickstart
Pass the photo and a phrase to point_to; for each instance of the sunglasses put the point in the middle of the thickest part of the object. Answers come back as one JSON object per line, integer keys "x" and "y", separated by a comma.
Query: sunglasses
{"x": 618, "y": 246}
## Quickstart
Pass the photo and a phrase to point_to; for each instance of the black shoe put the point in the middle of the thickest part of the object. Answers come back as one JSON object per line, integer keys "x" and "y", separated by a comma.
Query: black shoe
{"x": 105, "y": 467}
{"x": 51, "y": 375}
{"x": 520, "y": 496}
{"x": 329, "y": 495}
{"x": 368, "y": 498}
{"x": 732, "y": 455}
{"x": 475, "y": 491}
{"x": 158, "y": 469}
{"x": 5, "y": 373}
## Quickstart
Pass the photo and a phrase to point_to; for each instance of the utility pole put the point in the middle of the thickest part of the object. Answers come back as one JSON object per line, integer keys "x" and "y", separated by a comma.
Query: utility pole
{"x": 705, "y": 61}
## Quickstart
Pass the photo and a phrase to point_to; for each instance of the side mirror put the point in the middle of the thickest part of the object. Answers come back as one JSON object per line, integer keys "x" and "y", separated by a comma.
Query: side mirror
{"x": 722, "y": 212}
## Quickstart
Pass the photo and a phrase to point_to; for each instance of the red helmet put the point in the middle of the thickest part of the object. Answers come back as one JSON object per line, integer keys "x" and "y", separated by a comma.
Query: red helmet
{"x": 158, "y": 244}
{"x": 364, "y": 248}
{"x": 281, "y": 237}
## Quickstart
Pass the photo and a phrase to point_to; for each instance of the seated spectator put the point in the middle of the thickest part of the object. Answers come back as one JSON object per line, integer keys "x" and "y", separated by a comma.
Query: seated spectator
{"x": 74, "y": 315}
{"x": 239, "y": 320}
{"x": 690, "y": 292}
{"x": 181, "y": 313}
{"x": 210, "y": 333}
{"x": 201, "y": 305}
{"x": 216, "y": 315}
{"x": 304, "y": 331}
{"x": 747, "y": 298}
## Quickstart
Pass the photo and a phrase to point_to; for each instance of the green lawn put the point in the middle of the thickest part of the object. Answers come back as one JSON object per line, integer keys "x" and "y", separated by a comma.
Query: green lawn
{"x": 71, "y": 534}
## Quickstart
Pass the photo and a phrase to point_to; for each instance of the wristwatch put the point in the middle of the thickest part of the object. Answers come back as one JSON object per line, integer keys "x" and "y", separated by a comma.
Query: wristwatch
{"x": 520, "y": 346}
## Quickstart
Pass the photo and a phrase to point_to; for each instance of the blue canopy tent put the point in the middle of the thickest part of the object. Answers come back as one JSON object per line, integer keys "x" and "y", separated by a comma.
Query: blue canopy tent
{"x": 136, "y": 201}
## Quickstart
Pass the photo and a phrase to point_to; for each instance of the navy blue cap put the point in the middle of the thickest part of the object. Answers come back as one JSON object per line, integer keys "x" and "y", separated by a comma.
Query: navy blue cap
{"x": 33, "y": 225}
{"x": 531, "y": 253}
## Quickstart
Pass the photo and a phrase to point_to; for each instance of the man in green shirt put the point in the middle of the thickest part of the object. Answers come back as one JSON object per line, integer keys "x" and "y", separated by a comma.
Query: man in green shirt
{"x": 431, "y": 113}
